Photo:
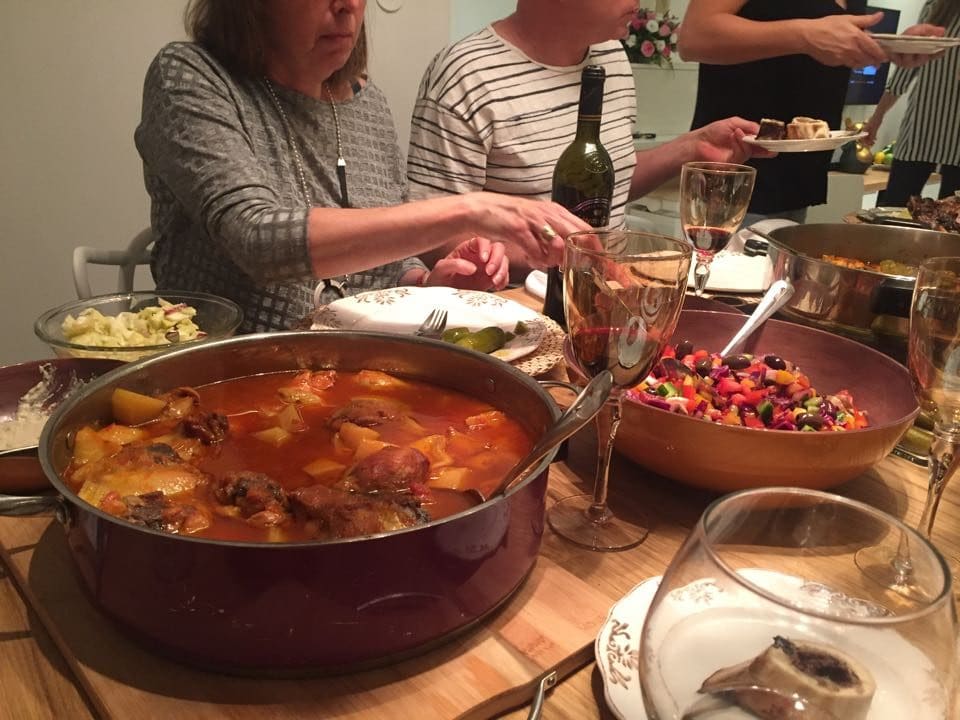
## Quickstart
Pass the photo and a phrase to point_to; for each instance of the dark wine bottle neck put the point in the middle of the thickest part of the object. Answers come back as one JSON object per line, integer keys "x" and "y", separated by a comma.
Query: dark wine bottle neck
{"x": 591, "y": 108}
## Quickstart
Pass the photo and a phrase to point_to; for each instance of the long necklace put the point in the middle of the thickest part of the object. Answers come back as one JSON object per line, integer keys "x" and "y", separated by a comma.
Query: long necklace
{"x": 326, "y": 283}
{"x": 341, "y": 163}
{"x": 295, "y": 146}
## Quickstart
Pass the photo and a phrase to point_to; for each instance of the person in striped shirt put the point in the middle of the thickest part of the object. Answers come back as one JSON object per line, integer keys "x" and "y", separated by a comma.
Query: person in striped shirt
{"x": 496, "y": 109}
{"x": 930, "y": 133}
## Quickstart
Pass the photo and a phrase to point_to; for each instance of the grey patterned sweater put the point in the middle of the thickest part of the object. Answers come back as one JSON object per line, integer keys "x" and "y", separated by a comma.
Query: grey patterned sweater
{"x": 226, "y": 203}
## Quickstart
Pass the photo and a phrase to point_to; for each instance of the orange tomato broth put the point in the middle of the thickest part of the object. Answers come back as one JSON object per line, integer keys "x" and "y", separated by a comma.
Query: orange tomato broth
{"x": 251, "y": 403}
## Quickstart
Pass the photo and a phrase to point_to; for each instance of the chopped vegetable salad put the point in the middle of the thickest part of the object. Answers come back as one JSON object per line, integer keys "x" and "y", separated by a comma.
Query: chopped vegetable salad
{"x": 751, "y": 391}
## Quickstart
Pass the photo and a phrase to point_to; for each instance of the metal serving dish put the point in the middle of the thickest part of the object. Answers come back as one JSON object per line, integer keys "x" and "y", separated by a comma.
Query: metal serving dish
{"x": 329, "y": 607}
{"x": 869, "y": 306}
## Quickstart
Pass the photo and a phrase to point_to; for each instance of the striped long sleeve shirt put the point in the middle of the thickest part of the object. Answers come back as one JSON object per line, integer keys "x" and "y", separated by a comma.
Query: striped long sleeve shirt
{"x": 930, "y": 131}
{"x": 487, "y": 117}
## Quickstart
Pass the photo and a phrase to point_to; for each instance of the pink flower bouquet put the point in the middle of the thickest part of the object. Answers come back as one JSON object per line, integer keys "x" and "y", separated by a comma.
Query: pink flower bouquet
{"x": 652, "y": 38}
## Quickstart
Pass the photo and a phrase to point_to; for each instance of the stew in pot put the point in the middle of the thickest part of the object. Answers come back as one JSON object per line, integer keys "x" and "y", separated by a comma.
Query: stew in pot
{"x": 285, "y": 457}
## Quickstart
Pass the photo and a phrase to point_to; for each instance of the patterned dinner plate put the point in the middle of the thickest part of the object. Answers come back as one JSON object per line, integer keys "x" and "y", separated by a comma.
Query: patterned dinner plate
{"x": 402, "y": 309}
{"x": 906, "y": 682}
{"x": 618, "y": 651}
{"x": 836, "y": 139}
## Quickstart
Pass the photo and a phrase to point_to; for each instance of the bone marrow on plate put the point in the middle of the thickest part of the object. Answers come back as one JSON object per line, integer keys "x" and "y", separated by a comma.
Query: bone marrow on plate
{"x": 806, "y": 128}
{"x": 832, "y": 683}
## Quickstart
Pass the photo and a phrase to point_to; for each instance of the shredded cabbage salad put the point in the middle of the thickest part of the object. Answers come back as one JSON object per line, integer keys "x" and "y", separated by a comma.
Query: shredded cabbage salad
{"x": 751, "y": 391}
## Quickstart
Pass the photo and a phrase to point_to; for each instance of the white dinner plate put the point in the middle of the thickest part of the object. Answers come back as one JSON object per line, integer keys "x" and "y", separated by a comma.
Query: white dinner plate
{"x": 836, "y": 139}
{"x": 734, "y": 273}
{"x": 906, "y": 681}
{"x": 915, "y": 44}
{"x": 401, "y": 310}
{"x": 536, "y": 284}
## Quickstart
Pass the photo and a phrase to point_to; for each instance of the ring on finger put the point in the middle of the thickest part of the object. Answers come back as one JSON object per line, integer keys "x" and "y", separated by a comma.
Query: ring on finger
{"x": 547, "y": 233}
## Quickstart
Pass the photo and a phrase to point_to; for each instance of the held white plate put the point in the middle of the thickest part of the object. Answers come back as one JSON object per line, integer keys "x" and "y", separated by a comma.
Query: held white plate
{"x": 905, "y": 678}
{"x": 401, "y": 310}
{"x": 915, "y": 44}
{"x": 836, "y": 139}
{"x": 734, "y": 273}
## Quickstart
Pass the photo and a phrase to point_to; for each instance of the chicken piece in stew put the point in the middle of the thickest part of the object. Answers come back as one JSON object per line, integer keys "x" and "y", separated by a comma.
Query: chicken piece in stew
{"x": 291, "y": 457}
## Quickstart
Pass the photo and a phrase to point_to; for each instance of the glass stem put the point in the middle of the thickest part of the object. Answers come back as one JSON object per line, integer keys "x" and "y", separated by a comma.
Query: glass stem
{"x": 902, "y": 562}
{"x": 608, "y": 420}
{"x": 701, "y": 274}
{"x": 944, "y": 460}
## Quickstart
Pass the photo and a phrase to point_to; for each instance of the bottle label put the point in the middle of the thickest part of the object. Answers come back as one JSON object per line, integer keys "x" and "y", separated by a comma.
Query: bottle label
{"x": 594, "y": 211}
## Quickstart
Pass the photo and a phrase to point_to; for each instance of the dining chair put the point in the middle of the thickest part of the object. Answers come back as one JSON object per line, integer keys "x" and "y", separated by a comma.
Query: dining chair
{"x": 136, "y": 253}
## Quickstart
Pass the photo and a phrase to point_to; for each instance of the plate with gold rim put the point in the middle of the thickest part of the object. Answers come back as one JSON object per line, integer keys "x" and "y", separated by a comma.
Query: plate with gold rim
{"x": 906, "y": 682}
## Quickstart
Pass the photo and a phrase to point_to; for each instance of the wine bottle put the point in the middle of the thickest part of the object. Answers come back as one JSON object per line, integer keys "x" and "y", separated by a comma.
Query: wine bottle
{"x": 582, "y": 178}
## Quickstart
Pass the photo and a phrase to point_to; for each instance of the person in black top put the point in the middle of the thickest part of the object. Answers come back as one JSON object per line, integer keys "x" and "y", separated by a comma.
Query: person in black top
{"x": 767, "y": 59}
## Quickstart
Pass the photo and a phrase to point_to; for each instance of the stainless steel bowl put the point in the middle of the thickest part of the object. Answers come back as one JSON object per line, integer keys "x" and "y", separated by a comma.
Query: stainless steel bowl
{"x": 869, "y": 306}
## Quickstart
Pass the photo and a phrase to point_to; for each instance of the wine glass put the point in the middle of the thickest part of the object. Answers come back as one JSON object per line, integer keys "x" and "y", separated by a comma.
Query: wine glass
{"x": 764, "y": 609}
{"x": 713, "y": 201}
{"x": 933, "y": 356}
{"x": 622, "y": 292}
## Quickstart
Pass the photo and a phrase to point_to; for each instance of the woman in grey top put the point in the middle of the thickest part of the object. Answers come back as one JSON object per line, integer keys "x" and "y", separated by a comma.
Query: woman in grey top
{"x": 272, "y": 167}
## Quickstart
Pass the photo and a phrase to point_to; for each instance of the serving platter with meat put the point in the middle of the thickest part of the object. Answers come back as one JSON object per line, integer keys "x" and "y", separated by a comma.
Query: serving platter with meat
{"x": 312, "y": 568}
{"x": 942, "y": 215}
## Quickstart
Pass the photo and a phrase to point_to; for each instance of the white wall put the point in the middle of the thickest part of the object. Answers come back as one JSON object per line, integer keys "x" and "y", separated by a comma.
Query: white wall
{"x": 71, "y": 85}
{"x": 467, "y": 16}
{"x": 402, "y": 45}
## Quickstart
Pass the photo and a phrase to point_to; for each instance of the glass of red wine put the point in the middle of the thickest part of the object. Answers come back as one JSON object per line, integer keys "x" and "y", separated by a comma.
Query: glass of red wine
{"x": 622, "y": 292}
{"x": 714, "y": 197}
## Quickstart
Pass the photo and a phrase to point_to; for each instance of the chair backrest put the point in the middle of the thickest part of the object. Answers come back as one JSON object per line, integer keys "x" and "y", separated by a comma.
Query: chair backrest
{"x": 136, "y": 253}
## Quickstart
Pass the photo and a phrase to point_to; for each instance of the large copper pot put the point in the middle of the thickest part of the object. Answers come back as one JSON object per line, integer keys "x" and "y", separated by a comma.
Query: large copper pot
{"x": 335, "y": 606}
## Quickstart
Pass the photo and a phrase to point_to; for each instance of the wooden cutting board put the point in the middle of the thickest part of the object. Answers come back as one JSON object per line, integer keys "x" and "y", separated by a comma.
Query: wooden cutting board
{"x": 490, "y": 669}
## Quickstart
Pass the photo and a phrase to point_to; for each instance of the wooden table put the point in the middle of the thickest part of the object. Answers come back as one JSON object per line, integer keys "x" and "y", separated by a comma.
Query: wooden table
{"x": 36, "y": 681}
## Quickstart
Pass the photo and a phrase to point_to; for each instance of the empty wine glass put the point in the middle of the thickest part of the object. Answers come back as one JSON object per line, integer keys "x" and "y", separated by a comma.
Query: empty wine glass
{"x": 933, "y": 357}
{"x": 622, "y": 292}
{"x": 714, "y": 197}
{"x": 764, "y": 613}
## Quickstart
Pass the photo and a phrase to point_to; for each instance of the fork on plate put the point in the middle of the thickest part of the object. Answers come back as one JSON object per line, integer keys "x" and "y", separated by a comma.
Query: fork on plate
{"x": 433, "y": 326}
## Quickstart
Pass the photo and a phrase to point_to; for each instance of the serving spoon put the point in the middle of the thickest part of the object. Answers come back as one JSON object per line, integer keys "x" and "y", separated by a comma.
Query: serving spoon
{"x": 777, "y": 295}
{"x": 583, "y": 409}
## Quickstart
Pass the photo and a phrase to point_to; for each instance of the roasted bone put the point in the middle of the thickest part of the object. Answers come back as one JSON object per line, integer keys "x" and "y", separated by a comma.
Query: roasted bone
{"x": 829, "y": 681}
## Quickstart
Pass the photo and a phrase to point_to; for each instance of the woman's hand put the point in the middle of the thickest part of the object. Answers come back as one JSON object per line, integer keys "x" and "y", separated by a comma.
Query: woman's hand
{"x": 871, "y": 127}
{"x": 476, "y": 264}
{"x": 842, "y": 40}
{"x": 538, "y": 228}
